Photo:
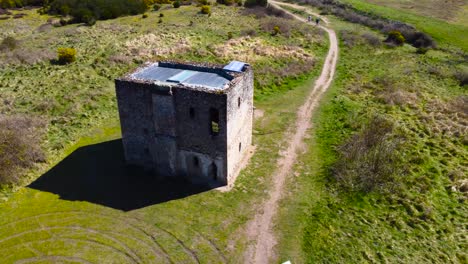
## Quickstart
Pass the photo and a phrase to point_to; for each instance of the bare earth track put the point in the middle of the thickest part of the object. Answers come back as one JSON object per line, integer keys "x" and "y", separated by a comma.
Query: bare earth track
{"x": 260, "y": 229}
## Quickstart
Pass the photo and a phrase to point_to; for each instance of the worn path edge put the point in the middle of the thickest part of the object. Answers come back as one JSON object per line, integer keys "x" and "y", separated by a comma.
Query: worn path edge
{"x": 260, "y": 231}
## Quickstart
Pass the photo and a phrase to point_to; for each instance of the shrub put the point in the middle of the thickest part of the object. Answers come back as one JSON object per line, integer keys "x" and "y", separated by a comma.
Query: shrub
{"x": 229, "y": 35}
{"x": 203, "y": 2}
{"x": 371, "y": 39}
{"x": 248, "y": 32}
{"x": 462, "y": 77}
{"x": 270, "y": 10}
{"x": 205, "y": 9}
{"x": 225, "y": 2}
{"x": 82, "y": 11}
{"x": 253, "y": 3}
{"x": 161, "y": 15}
{"x": 395, "y": 37}
{"x": 369, "y": 160}
{"x": 276, "y": 30}
{"x": 176, "y": 4}
{"x": 144, "y": 16}
{"x": 9, "y": 43}
{"x": 19, "y": 147}
{"x": 160, "y": 21}
{"x": 156, "y": 7}
{"x": 422, "y": 50}
{"x": 66, "y": 55}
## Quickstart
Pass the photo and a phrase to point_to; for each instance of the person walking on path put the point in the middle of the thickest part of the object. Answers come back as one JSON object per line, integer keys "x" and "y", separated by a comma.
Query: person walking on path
{"x": 309, "y": 18}
{"x": 317, "y": 20}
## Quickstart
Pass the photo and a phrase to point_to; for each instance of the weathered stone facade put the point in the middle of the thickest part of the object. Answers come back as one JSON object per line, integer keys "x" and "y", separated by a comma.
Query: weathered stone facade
{"x": 187, "y": 130}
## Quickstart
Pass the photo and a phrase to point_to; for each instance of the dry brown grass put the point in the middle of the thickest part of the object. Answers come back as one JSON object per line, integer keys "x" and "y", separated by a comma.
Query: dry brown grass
{"x": 151, "y": 45}
{"x": 254, "y": 49}
{"x": 19, "y": 146}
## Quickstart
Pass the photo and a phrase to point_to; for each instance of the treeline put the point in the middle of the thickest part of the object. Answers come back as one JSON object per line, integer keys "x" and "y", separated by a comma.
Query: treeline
{"x": 88, "y": 11}
{"x": 20, "y": 3}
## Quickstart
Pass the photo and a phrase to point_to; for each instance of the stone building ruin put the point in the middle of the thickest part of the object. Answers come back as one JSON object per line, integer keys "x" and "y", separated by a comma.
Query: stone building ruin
{"x": 187, "y": 120}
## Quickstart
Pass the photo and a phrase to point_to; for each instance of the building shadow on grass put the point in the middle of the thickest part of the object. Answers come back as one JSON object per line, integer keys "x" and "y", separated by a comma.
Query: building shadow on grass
{"x": 98, "y": 174}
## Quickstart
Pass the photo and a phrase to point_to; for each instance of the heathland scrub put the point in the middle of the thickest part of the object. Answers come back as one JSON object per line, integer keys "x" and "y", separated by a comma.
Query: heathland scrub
{"x": 78, "y": 99}
{"x": 422, "y": 220}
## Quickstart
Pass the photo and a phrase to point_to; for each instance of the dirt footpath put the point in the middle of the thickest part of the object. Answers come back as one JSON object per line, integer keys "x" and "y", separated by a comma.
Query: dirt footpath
{"x": 260, "y": 231}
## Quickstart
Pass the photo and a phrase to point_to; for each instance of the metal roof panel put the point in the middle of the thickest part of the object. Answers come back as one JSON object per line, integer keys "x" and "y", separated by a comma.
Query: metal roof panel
{"x": 236, "y": 66}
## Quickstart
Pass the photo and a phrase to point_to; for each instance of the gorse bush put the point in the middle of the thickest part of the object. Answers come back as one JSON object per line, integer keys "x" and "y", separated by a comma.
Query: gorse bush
{"x": 176, "y": 4}
{"x": 66, "y": 55}
{"x": 395, "y": 37}
{"x": 205, "y": 9}
{"x": 369, "y": 160}
{"x": 276, "y": 30}
{"x": 19, "y": 147}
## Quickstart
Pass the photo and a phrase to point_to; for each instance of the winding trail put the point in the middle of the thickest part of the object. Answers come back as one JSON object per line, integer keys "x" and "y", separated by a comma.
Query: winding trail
{"x": 260, "y": 229}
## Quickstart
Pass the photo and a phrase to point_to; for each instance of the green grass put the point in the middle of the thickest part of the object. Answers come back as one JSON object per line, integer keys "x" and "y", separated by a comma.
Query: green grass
{"x": 445, "y": 33}
{"x": 77, "y": 97}
{"x": 424, "y": 222}
{"x": 448, "y": 11}
{"x": 82, "y": 116}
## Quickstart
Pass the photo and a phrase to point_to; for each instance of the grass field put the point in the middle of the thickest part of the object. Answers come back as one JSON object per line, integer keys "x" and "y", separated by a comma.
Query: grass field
{"x": 422, "y": 222}
{"x": 447, "y": 33}
{"x": 87, "y": 206}
{"x": 451, "y": 11}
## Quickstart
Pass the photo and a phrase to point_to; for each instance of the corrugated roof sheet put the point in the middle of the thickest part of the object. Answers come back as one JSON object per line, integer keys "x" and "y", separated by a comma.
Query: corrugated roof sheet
{"x": 236, "y": 66}
{"x": 189, "y": 77}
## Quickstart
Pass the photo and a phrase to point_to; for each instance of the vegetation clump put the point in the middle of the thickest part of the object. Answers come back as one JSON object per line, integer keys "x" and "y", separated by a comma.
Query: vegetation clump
{"x": 20, "y": 3}
{"x": 369, "y": 160}
{"x": 225, "y": 2}
{"x": 462, "y": 77}
{"x": 254, "y": 3}
{"x": 66, "y": 55}
{"x": 395, "y": 37}
{"x": 19, "y": 147}
{"x": 8, "y": 43}
{"x": 206, "y": 9}
{"x": 276, "y": 30}
{"x": 176, "y": 4}
{"x": 86, "y": 11}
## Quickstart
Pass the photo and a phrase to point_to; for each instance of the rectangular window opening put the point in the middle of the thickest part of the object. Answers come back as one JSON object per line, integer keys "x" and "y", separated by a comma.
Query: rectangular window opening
{"x": 214, "y": 121}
